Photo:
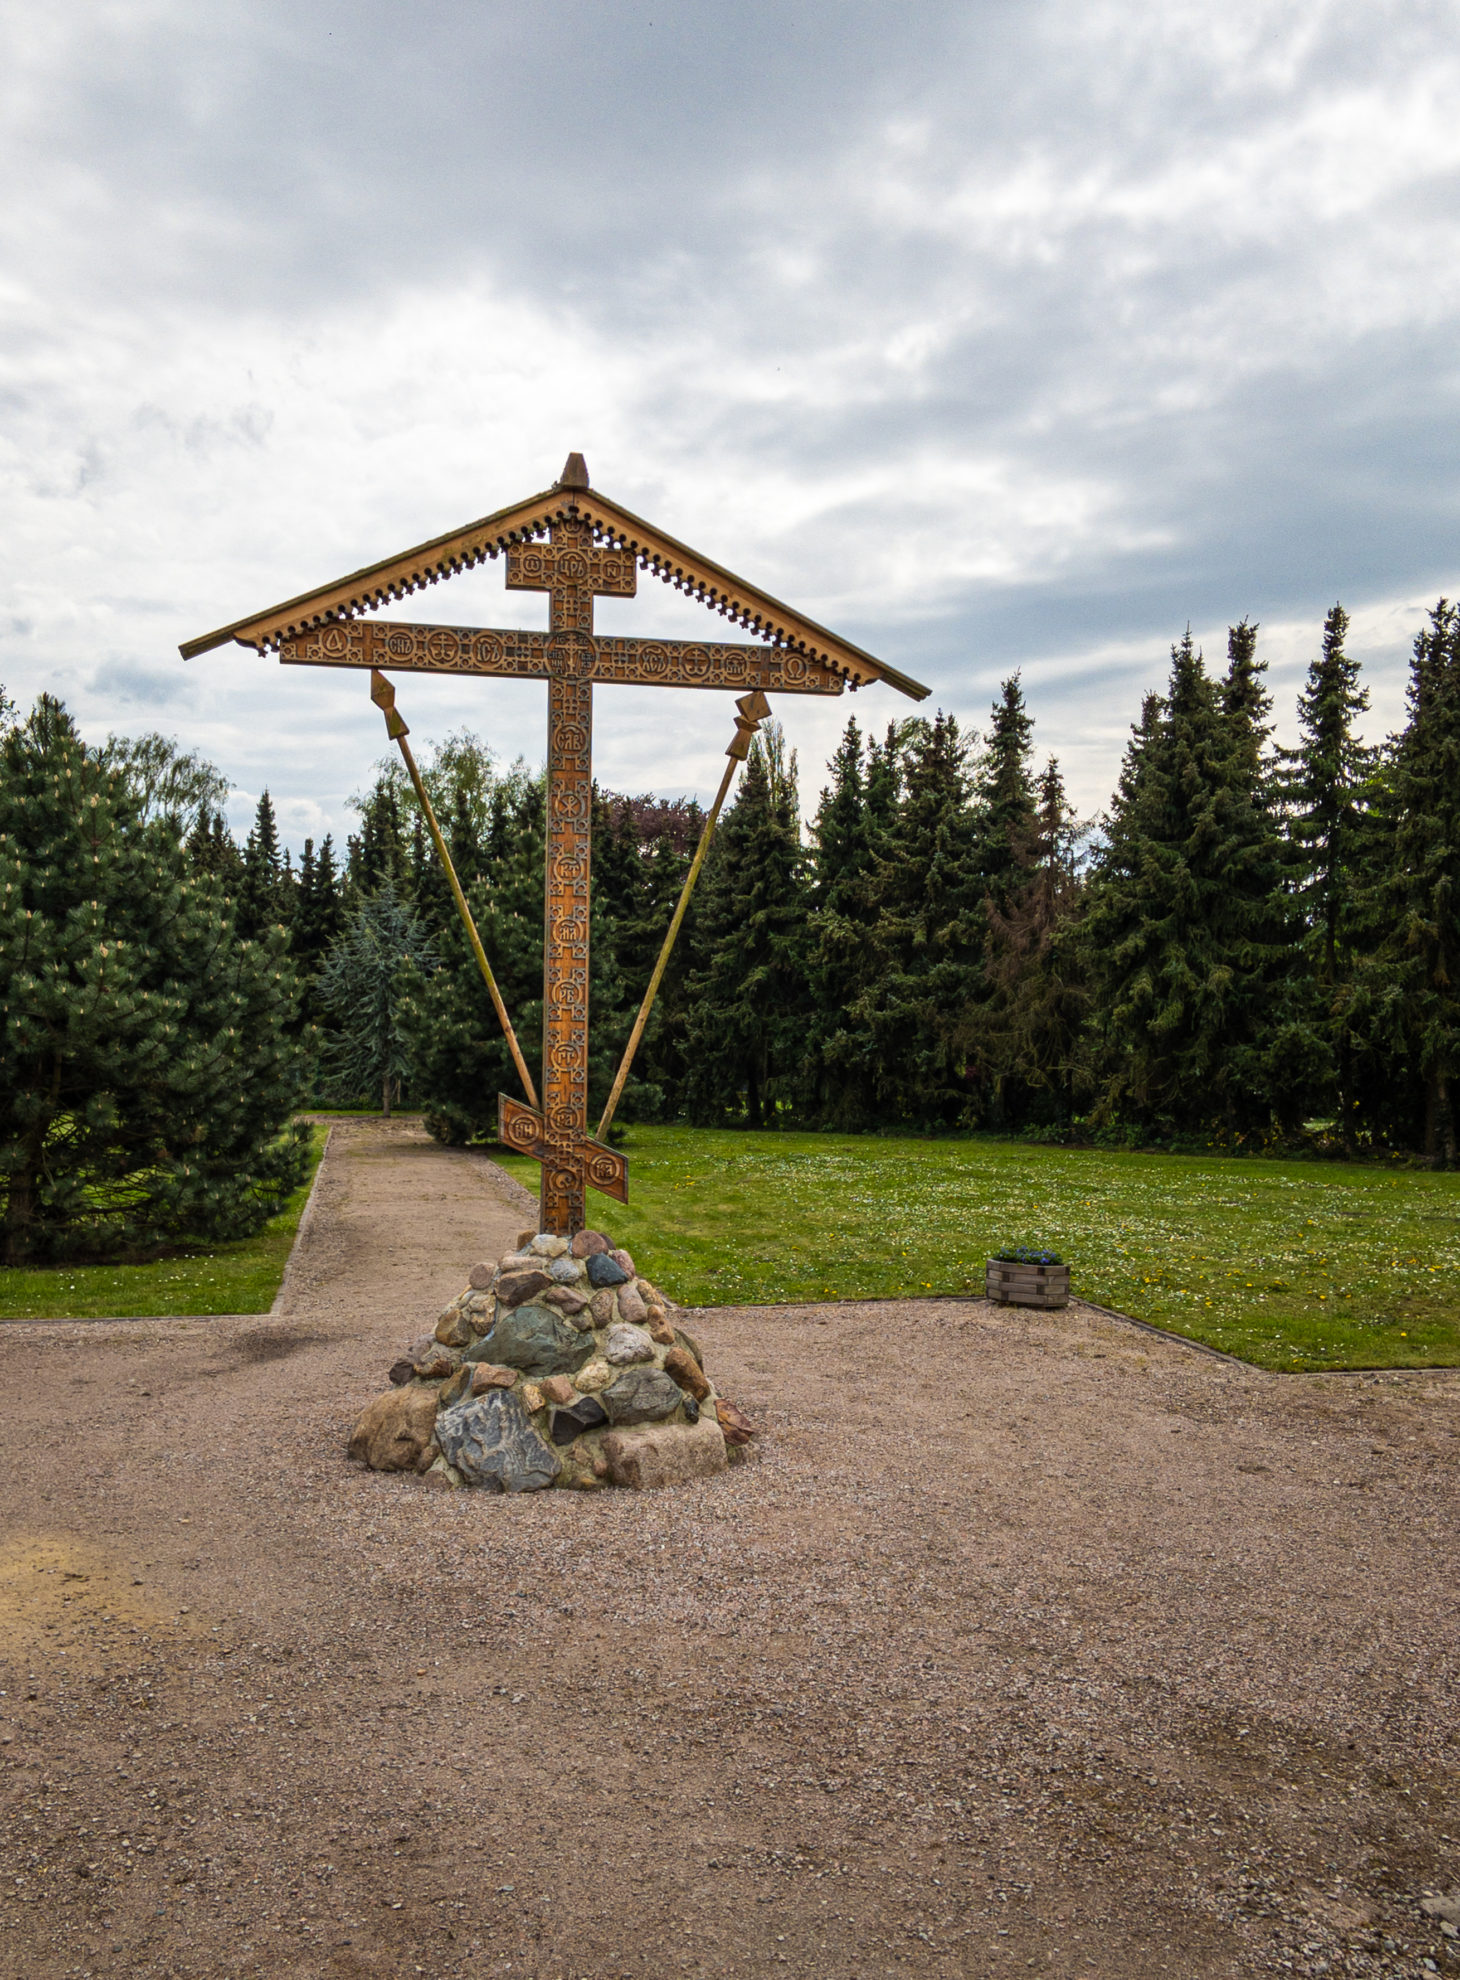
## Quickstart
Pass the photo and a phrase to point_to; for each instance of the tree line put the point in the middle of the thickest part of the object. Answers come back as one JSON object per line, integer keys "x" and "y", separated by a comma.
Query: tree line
{"x": 1253, "y": 946}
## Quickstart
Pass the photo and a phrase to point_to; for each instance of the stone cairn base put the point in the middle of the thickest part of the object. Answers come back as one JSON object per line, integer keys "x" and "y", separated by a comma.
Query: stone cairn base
{"x": 556, "y": 1366}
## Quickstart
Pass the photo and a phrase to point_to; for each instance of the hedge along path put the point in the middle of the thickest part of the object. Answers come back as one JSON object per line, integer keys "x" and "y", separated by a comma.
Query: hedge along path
{"x": 240, "y": 1278}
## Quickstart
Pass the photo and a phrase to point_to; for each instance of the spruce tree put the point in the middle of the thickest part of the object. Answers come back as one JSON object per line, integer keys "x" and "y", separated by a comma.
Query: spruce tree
{"x": 1030, "y": 1021}
{"x": 461, "y": 1060}
{"x": 260, "y": 902}
{"x": 380, "y": 953}
{"x": 835, "y": 1085}
{"x": 380, "y": 854}
{"x": 746, "y": 1005}
{"x": 1325, "y": 786}
{"x": 213, "y": 849}
{"x": 925, "y": 941}
{"x": 1004, "y": 793}
{"x": 146, "y": 1071}
{"x": 1408, "y": 994}
{"x": 1246, "y": 702}
{"x": 320, "y": 915}
{"x": 664, "y": 833}
{"x": 1186, "y": 924}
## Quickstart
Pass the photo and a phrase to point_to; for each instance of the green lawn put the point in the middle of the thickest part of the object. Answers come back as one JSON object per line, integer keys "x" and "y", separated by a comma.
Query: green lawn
{"x": 222, "y": 1278}
{"x": 1289, "y": 1264}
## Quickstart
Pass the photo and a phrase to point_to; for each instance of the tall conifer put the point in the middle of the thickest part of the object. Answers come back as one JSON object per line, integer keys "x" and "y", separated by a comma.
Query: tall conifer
{"x": 1325, "y": 787}
{"x": 1004, "y": 793}
{"x": 926, "y": 939}
{"x": 1185, "y": 924}
{"x": 260, "y": 904}
{"x": 1409, "y": 992}
{"x": 1028, "y": 1025}
{"x": 745, "y": 1016}
{"x": 146, "y": 1067}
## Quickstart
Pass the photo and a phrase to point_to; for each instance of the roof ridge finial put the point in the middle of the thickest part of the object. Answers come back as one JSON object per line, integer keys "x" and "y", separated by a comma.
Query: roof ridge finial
{"x": 575, "y": 473}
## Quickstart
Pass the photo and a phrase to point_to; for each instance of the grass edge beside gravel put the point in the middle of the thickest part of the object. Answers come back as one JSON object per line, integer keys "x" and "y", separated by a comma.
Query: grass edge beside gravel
{"x": 200, "y": 1283}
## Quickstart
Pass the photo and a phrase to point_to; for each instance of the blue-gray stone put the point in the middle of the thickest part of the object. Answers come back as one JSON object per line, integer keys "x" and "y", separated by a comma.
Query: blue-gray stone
{"x": 491, "y": 1442}
{"x": 641, "y": 1395}
{"x": 537, "y": 1340}
{"x": 567, "y": 1271}
{"x": 605, "y": 1271}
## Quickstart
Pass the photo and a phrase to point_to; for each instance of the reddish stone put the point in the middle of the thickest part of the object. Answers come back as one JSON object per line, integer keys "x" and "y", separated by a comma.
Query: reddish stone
{"x": 517, "y": 1288}
{"x": 687, "y": 1372}
{"x": 567, "y": 1299}
{"x": 485, "y": 1375}
{"x": 587, "y": 1243}
{"x": 480, "y": 1276}
{"x": 558, "y": 1389}
{"x": 734, "y": 1422}
{"x": 631, "y": 1307}
{"x": 622, "y": 1258}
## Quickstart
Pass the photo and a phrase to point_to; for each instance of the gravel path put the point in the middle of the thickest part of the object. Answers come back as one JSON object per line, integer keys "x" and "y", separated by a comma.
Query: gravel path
{"x": 1027, "y": 1644}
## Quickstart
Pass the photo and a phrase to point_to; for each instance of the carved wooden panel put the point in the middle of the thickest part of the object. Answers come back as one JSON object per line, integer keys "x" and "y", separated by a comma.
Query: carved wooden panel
{"x": 420, "y": 649}
{"x": 565, "y": 960}
{"x": 572, "y": 559}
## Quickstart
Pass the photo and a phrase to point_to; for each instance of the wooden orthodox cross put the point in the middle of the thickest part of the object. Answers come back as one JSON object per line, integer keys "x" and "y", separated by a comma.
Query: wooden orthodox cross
{"x": 593, "y": 549}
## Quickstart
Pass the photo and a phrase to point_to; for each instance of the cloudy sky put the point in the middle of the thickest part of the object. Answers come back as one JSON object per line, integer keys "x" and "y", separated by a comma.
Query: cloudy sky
{"x": 992, "y": 335}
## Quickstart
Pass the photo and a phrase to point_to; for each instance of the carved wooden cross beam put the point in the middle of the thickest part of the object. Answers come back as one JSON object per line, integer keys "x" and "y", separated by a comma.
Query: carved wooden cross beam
{"x": 593, "y": 549}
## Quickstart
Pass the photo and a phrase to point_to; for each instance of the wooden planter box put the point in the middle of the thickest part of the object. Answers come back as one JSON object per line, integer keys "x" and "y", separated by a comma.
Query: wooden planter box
{"x": 1027, "y": 1285}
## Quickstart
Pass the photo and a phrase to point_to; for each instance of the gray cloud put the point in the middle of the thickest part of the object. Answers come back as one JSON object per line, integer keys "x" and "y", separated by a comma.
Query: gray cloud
{"x": 995, "y": 335}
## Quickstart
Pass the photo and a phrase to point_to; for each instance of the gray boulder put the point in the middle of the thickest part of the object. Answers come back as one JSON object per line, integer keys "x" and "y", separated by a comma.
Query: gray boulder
{"x": 641, "y": 1395}
{"x": 537, "y": 1340}
{"x": 490, "y": 1441}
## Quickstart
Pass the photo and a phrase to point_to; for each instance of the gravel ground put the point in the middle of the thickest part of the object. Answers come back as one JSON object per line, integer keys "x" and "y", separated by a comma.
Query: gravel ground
{"x": 1025, "y": 1644}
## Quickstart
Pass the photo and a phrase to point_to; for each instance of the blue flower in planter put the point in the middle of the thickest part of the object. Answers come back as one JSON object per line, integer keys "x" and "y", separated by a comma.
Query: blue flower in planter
{"x": 1025, "y": 1254}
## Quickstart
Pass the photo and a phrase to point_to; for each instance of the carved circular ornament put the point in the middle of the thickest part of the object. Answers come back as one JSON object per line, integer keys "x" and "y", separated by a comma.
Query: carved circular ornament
{"x": 571, "y": 656}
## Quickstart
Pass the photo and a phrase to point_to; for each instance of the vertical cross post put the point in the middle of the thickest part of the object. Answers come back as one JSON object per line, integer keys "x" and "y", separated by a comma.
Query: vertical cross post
{"x": 571, "y": 568}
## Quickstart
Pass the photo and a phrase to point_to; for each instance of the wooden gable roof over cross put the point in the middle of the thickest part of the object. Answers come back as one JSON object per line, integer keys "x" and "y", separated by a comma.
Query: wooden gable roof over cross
{"x": 593, "y": 548}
